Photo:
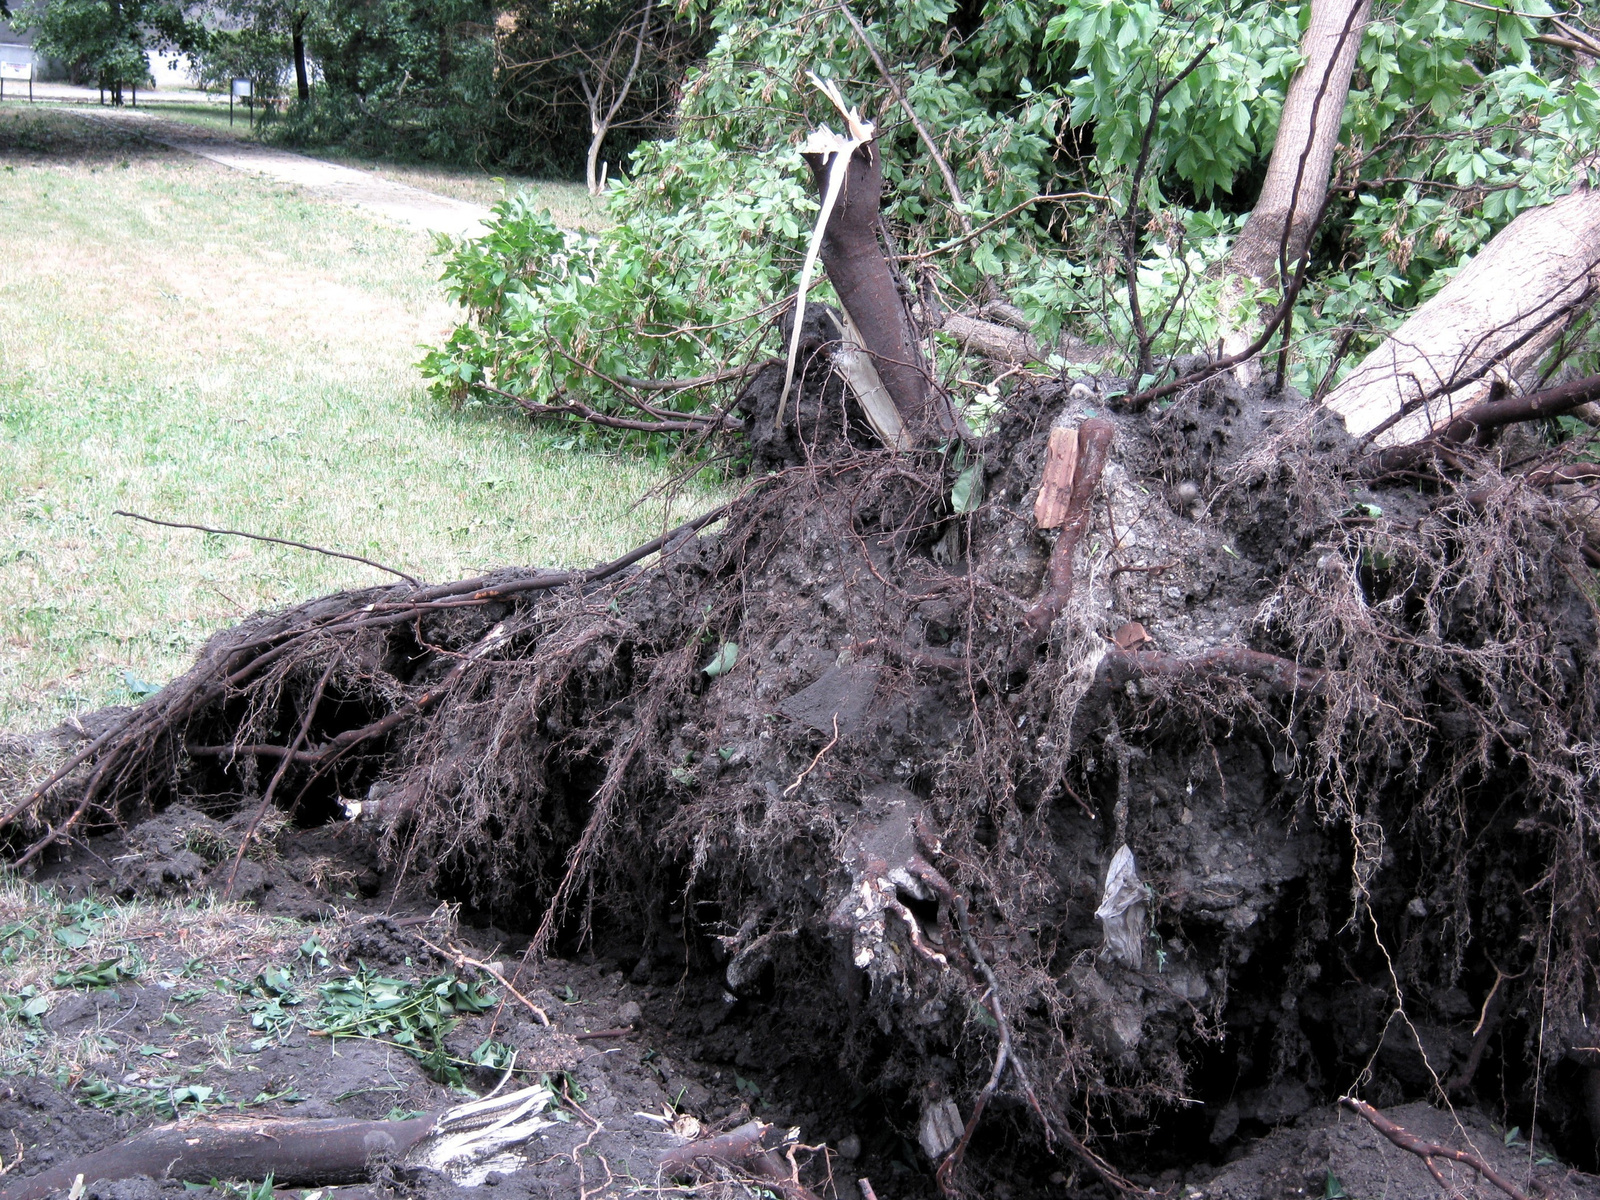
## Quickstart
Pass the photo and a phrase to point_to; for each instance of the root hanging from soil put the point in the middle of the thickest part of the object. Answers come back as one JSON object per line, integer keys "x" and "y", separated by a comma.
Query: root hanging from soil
{"x": 867, "y": 759}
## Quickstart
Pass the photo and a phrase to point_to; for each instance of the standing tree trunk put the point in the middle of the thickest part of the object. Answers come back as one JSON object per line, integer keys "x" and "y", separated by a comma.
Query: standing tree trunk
{"x": 1486, "y": 327}
{"x": 298, "y": 36}
{"x": 601, "y": 114}
{"x": 1302, "y": 157}
{"x": 861, "y": 276}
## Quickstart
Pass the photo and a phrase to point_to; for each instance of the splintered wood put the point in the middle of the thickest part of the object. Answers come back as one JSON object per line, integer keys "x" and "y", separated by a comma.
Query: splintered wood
{"x": 1055, "y": 489}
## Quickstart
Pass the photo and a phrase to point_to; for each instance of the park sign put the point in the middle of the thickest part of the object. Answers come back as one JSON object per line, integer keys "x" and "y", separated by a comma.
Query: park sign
{"x": 13, "y": 67}
{"x": 242, "y": 90}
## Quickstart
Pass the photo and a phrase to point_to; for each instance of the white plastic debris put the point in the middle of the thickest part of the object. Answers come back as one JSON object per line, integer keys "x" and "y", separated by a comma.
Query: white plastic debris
{"x": 1123, "y": 911}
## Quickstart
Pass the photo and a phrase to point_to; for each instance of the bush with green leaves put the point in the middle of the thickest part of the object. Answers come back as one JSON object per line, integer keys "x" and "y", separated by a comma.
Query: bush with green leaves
{"x": 683, "y": 281}
{"x": 1457, "y": 121}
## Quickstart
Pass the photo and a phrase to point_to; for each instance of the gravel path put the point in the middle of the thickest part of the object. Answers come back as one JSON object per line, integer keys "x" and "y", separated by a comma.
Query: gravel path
{"x": 396, "y": 202}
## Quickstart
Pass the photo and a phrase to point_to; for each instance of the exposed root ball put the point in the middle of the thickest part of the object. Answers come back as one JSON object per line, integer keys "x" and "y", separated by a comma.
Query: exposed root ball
{"x": 1347, "y": 731}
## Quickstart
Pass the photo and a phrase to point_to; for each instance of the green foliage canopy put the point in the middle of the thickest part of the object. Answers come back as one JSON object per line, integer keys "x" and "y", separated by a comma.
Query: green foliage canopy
{"x": 1457, "y": 120}
{"x": 104, "y": 42}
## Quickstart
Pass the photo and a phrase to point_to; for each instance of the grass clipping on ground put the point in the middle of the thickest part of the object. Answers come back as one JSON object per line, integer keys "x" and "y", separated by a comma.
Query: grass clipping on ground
{"x": 51, "y": 946}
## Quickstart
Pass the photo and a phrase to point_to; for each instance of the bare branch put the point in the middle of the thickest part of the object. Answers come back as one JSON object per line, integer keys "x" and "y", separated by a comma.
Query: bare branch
{"x": 1130, "y": 237}
{"x": 261, "y": 537}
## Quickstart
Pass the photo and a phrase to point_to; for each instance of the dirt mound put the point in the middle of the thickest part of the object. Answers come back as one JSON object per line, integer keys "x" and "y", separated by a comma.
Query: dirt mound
{"x": 1056, "y": 854}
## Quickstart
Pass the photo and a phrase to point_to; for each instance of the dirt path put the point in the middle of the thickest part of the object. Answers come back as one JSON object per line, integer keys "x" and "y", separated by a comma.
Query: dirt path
{"x": 396, "y": 202}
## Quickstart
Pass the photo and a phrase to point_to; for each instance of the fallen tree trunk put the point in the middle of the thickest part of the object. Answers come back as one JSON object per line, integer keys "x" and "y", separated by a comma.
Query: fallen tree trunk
{"x": 326, "y": 1152}
{"x": 1302, "y": 153}
{"x": 997, "y": 342}
{"x": 1486, "y": 327}
{"x": 294, "y": 1152}
{"x": 1296, "y": 187}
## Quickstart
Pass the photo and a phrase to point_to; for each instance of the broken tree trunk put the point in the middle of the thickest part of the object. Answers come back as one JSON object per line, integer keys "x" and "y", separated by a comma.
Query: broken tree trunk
{"x": 1308, "y": 133}
{"x": 312, "y": 1152}
{"x": 309, "y": 1152}
{"x": 341, "y": 1150}
{"x": 860, "y": 274}
{"x": 1486, "y": 327}
{"x": 1286, "y": 212}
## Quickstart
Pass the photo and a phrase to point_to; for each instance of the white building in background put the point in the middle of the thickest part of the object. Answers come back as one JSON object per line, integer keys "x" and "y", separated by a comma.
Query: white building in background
{"x": 17, "y": 47}
{"x": 168, "y": 71}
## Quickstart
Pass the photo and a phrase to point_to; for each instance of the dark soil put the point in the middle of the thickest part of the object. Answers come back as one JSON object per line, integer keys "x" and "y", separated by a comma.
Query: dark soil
{"x": 1372, "y": 874}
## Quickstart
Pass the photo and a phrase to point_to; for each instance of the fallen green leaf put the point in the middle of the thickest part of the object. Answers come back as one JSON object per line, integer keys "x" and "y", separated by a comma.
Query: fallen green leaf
{"x": 722, "y": 661}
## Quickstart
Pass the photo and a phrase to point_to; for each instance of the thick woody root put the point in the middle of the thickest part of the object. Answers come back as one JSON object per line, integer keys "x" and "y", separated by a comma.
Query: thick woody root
{"x": 463, "y": 1143}
{"x": 1429, "y": 1151}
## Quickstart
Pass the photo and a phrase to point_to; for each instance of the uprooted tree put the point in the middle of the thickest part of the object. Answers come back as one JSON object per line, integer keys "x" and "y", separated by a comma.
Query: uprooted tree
{"x": 1077, "y": 764}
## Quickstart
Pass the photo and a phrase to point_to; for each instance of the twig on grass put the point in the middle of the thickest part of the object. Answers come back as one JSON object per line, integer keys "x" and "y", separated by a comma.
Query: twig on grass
{"x": 576, "y": 408}
{"x": 261, "y": 537}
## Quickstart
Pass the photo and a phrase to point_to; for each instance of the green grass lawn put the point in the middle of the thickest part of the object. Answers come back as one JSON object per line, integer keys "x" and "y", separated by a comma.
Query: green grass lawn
{"x": 200, "y": 345}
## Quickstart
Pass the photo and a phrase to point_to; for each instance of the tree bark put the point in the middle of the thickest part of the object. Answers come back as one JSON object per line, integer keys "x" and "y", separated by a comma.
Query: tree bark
{"x": 293, "y": 1152}
{"x": 860, "y": 274}
{"x": 1302, "y": 158}
{"x": 1488, "y": 326}
{"x": 597, "y": 135}
{"x": 1308, "y": 134}
{"x": 298, "y": 37}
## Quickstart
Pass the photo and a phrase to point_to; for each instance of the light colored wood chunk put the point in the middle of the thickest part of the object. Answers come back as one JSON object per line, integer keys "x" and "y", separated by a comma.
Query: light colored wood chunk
{"x": 1055, "y": 489}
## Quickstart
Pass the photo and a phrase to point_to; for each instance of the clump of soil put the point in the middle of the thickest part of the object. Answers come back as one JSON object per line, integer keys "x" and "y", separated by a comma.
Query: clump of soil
{"x": 812, "y": 775}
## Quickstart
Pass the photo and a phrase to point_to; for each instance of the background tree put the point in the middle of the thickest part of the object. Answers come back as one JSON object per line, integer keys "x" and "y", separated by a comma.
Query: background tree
{"x": 259, "y": 41}
{"x": 106, "y": 42}
{"x": 607, "y": 68}
{"x": 1456, "y": 119}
